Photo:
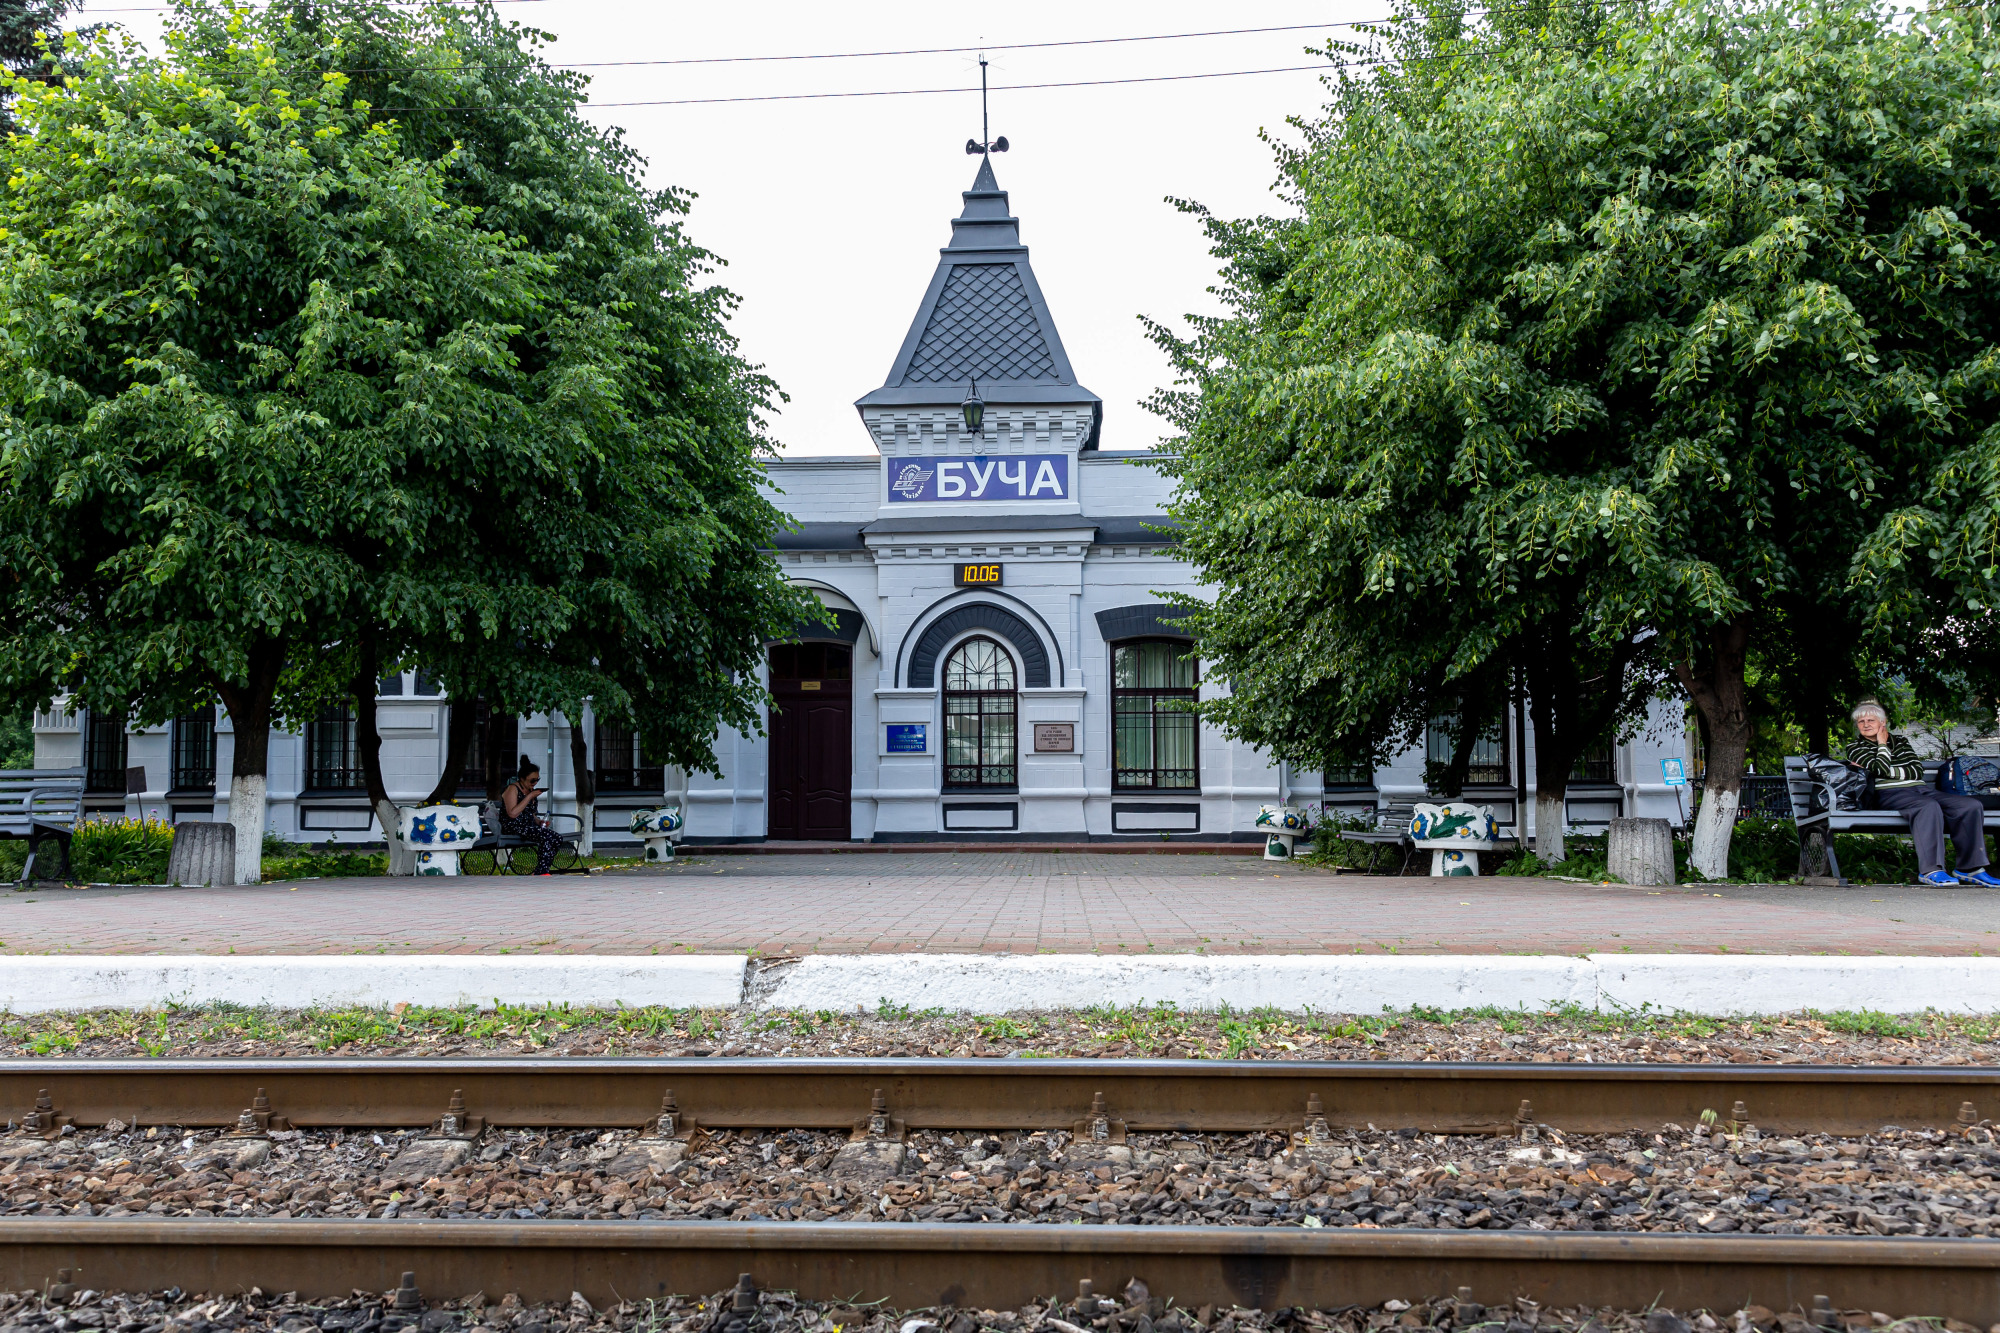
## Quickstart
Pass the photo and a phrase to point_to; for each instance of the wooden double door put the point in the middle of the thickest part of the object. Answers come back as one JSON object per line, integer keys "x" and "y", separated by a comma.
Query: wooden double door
{"x": 811, "y": 742}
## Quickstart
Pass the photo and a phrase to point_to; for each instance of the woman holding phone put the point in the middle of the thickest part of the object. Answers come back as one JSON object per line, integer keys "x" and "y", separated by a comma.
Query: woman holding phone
{"x": 519, "y": 817}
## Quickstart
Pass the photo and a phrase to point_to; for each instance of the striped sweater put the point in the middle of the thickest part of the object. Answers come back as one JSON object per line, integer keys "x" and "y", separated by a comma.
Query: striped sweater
{"x": 1894, "y": 764}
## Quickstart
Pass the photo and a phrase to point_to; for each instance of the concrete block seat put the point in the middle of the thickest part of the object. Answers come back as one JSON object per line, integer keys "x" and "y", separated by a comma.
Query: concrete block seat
{"x": 1818, "y": 816}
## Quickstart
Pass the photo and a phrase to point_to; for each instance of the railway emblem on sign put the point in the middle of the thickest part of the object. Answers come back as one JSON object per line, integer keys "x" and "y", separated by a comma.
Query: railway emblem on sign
{"x": 910, "y": 481}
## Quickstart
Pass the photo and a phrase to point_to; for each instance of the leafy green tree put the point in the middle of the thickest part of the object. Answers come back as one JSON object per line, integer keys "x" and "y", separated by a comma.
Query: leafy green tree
{"x": 225, "y": 290}
{"x": 281, "y": 405}
{"x": 31, "y": 43}
{"x": 1662, "y": 329}
{"x": 621, "y": 571}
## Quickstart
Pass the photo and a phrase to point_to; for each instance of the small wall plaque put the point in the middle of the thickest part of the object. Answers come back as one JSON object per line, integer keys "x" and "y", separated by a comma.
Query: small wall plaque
{"x": 906, "y": 737}
{"x": 1055, "y": 738}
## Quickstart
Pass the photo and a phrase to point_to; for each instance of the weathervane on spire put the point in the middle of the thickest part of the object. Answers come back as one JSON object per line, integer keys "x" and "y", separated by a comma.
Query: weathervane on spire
{"x": 984, "y": 144}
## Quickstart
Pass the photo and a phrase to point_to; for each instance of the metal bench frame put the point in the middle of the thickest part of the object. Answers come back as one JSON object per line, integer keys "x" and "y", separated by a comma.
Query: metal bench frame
{"x": 493, "y": 839}
{"x": 1392, "y": 829}
{"x": 1818, "y": 817}
{"x": 38, "y": 804}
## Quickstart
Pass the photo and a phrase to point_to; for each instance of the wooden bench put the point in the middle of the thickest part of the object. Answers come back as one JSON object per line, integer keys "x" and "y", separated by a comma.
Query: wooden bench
{"x": 37, "y": 804}
{"x": 1392, "y": 829}
{"x": 1819, "y": 816}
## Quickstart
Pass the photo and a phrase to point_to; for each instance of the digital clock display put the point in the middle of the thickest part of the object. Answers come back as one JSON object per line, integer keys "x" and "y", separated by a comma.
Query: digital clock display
{"x": 979, "y": 576}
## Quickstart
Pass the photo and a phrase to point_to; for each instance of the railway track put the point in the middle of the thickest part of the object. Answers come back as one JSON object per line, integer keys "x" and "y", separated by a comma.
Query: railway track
{"x": 1145, "y": 1095}
{"x": 997, "y": 1265}
{"x": 1002, "y": 1267}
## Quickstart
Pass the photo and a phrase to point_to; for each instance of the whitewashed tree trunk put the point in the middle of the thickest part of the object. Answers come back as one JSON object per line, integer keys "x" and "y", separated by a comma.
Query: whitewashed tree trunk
{"x": 246, "y": 812}
{"x": 1712, "y": 830}
{"x": 587, "y": 812}
{"x": 1550, "y": 816}
{"x": 402, "y": 856}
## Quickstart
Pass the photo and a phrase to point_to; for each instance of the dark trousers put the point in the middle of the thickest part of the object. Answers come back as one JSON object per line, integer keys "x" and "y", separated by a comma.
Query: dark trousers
{"x": 1929, "y": 811}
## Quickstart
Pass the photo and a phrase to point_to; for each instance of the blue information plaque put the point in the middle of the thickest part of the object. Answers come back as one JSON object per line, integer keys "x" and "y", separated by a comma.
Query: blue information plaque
{"x": 908, "y": 737}
{"x": 1673, "y": 773}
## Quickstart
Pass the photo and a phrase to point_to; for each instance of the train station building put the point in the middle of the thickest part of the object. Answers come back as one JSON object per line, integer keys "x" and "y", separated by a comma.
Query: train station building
{"x": 1001, "y": 662}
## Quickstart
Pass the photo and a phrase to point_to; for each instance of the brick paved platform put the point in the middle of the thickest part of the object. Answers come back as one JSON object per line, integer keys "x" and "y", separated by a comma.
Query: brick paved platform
{"x": 994, "y": 902}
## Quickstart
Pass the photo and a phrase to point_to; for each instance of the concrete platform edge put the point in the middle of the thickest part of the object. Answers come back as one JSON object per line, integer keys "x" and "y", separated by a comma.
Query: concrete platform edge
{"x": 1719, "y": 984}
{"x": 43, "y": 984}
{"x": 1716, "y": 984}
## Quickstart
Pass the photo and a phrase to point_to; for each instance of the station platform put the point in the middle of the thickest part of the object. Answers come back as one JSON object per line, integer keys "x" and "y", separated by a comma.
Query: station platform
{"x": 996, "y": 902}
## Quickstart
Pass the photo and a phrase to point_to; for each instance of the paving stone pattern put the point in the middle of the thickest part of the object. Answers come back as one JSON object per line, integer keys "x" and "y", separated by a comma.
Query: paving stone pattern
{"x": 994, "y": 902}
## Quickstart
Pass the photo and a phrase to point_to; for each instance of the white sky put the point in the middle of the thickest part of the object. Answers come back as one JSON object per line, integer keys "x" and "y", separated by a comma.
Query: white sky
{"x": 830, "y": 212}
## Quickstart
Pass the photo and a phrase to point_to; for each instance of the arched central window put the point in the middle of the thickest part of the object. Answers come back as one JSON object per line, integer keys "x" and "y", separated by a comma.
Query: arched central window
{"x": 979, "y": 727}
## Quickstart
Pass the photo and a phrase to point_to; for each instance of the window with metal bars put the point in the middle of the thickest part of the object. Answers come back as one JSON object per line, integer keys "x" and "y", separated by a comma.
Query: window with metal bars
{"x": 622, "y": 762}
{"x": 1598, "y": 763}
{"x": 980, "y": 722}
{"x": 333, "y": 762}
{"x": 193, "y": 766}
{"x": 1490, "y": 766}
{"x": 104, "y": 753}
{"x": 1153, "y": 736}
{"x": 1338, "y": 774}
{"x": 472, "y": 778}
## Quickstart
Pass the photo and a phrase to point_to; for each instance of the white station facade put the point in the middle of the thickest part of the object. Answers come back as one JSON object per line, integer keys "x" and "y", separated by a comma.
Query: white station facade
{"x": 999, "y": 664}
{"x": 1002, "y": 663}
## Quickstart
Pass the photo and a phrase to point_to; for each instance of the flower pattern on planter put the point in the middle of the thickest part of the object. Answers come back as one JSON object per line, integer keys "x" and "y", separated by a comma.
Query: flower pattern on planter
{"x": 1454, "y": 834}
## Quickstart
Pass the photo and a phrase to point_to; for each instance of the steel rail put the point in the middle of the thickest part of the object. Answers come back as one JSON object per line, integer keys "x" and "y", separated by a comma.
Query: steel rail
{"x": 1002, "y": 1266}
{"x": 1146, "y": 1095}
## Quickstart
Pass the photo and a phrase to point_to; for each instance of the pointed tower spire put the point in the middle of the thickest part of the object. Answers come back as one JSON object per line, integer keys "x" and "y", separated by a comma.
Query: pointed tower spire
{"x": 985, "y": 224}
{"x": 983, "y": 320}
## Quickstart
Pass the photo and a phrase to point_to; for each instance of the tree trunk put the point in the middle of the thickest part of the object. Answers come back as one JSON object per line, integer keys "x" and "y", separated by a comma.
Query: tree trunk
{"x": 457, "y": 745}
{"x": 1555, "y": 756}
{"x": 586, "y": 785}
{"x": 368, "y": 744}
{"x": 499, "y": 767}
{"x": 1569, "y": 713}
{"x": 1716, "y": 685}
{"x": 1461, "y": 758}
{"x": 249, "y": 707}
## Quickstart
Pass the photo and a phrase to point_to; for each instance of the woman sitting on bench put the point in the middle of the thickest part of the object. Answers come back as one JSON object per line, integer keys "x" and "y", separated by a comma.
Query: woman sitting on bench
{"x": 1900, "y": 785}
{"x": 519, "y": 817}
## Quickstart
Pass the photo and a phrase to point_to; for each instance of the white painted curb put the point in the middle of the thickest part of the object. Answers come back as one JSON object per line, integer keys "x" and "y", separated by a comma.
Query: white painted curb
{"x": 1715, "y": 984}
{"x": 1727, "y": 984}
{"x": 1719, "y": 984}
{"x": 42, "y": 984}
{"x": 1329, "y": 983}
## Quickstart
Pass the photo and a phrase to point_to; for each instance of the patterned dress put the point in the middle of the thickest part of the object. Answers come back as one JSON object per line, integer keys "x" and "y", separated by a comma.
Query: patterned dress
{"x": 529, "y": 827}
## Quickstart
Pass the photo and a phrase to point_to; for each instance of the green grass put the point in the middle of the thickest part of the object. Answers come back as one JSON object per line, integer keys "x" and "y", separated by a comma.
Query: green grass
{"x": 1149, "y": 1029}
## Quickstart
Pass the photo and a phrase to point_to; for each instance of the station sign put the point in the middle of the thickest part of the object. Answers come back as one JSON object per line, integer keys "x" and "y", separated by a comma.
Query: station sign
{"x": 1019, "y": 477}
{"x": 986, "y": 575}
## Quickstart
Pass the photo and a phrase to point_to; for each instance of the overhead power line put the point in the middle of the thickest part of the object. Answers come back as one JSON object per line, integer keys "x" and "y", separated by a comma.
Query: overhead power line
{"x": 998, "y": 88}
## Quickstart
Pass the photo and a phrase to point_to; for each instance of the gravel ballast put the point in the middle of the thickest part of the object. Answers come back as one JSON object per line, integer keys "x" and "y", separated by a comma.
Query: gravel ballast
{"x": 62, "y": 1309}
{"x": 1896, "y": 1182}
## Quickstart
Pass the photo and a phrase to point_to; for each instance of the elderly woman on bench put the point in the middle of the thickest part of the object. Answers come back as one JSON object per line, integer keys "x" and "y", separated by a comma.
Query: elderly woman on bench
{"x": 1900, "y": 785}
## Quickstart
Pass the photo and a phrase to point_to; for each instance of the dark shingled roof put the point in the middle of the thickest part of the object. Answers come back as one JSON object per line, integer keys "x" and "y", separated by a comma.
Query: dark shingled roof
{"x": 983, "y": 318}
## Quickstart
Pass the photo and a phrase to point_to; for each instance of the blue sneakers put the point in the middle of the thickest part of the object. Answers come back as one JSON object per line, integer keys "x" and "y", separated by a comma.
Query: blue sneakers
{"x": 1980, "y": 877}
{"x": 1944, "y": 879}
